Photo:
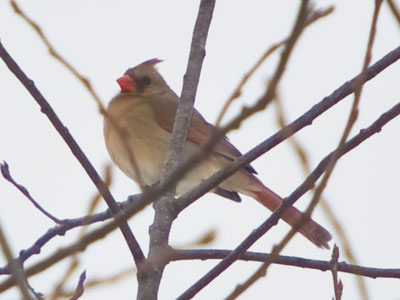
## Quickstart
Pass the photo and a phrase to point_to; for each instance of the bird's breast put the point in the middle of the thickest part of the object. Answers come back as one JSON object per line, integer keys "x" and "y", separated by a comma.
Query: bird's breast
{"x": 136, "y": 139}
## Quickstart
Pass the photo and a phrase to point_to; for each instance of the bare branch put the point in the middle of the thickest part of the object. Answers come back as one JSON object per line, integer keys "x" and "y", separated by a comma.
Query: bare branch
{"x": 337, "y": 285}
{"x": 16, "y": 268}
{"x": 304, "y": 120}
{"x": 337, "y": 226}
{"x": 205, "y": 254}
{"x": 289, "y": 201}
{"x": 261, "y": 271}
{"x": 5, "y": 171}
{"x": 76, "y": 150}
{"x": 315, "y": 15}
{"x": 79, "y": 246}
{"x": 394, "y": 9}
{"x": 85, "y": 81}
{"x": 60, "y": 230}
{"x": 164, "y": 207}
{"x": 79, "y": 288}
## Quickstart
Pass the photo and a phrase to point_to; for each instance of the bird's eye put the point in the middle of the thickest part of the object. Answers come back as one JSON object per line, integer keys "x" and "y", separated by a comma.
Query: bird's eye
{"x": 143, "y": 82}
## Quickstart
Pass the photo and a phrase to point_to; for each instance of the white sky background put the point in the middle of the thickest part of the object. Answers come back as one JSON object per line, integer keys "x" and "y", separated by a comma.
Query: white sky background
{"x": 103, "y": 38}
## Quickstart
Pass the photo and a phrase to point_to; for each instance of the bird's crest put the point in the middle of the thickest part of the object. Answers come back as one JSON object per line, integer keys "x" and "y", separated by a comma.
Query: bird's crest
{"x": 152, "y": 61}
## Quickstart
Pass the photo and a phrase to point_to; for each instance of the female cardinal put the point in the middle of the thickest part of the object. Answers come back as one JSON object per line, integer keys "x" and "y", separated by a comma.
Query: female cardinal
{"x": 145, "y": 110}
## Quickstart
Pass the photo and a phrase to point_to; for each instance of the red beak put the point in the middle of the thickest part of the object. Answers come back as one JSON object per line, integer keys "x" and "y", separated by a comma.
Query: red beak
{"x": 126, "y": 83}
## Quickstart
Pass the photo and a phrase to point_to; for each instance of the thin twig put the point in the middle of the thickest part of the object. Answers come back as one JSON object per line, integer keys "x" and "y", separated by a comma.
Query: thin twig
{"x": 85, "y": 81}
{"x": 74, "y": 261}
{"x": 395, "y": 10}
{"x": 298, "y": 28}
{"x": 76, "y": 150}
{"x": 79, "y": 246}
{"x": 5, "y": 171}
{"x": 289, "y": 201}
{"x": 79, "y": 288}
{"x": 301, "y": 122}
{"x": 261, "y": 271}
{"x": 337, "y": 226}
{"x": 315, "y": 15}
{"x": 334, "y": 265}
{"x": 101, "y": 282}
{"x": 140, "y": 202}
{"x": 306, "y": 119}
{"x": 60, "y": 230}
{"x": 15, "y": 267}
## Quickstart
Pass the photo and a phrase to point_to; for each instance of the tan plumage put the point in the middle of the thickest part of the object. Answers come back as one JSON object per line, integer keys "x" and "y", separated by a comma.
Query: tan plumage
{"x": 146, "y": 109}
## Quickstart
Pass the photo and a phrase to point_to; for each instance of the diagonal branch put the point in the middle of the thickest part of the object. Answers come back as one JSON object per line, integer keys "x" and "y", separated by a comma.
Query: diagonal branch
{"x": 75, "y": 149}
{"x": 16, "y": 269}
{"x": 5, "y": 171}
{"x": 85, "y": 81}
{"x": 337, "y": 226}
{"x": 261, "y": 271}
{"x": 314, "y": 16}
{"x": 139, "y": 203}
{"x": 304, "y": 120}
{"x": 289, "y": 201}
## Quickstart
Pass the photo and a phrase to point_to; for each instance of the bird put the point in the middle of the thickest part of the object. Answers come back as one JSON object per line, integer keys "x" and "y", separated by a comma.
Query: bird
{"x": 144, "y": 110}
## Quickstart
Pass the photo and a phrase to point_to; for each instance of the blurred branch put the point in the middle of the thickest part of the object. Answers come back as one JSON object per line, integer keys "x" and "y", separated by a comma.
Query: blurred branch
{"x": 164, "y": 207}
{"x": 59, "y": 230}
{"x": 293, "y": 261}
{"x": 140, "y": 202}
{"x": 298, "y": 28}
{"x": 147, "y": 197}
{"x": 15, "y": 267}
{"x": 395, "y": 10}
{"x": 76, "y": 150}
{"x": 289, "y": 201}
{"x": 301, "y": 122}
{"x": 313, "y": 16}
{"x": 261, "y": 271}
{"x": 206, "y": 239}
{"x": 304, "y": 120}
{"x": 337, "y": 226}
{"x": 75, "y": 262}
{"x": 101, "y": 282}
{"x": 62, "y": 253}
{"x": 5, "y": 171}
{"x": 85, "y": 81}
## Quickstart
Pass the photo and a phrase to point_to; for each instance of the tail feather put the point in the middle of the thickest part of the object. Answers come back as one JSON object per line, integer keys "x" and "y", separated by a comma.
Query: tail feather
{"x": 318, "y": 235}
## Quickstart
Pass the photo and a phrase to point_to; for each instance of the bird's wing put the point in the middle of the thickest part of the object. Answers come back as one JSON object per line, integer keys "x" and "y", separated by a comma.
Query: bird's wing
{"x": 200, "y": 131}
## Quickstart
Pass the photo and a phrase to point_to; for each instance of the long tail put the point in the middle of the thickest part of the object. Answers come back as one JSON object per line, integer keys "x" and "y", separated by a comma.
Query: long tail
{"x": 317, "y": 234}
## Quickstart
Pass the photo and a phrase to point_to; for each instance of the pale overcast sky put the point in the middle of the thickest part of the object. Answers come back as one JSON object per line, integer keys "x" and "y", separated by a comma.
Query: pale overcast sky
{"x": 104, "y": 38}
